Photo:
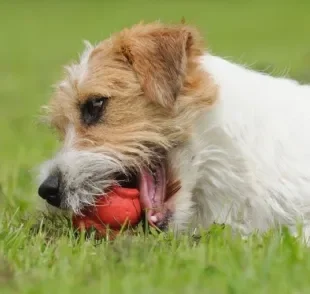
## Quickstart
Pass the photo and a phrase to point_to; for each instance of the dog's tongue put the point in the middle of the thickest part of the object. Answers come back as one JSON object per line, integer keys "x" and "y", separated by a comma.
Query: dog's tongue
{"x": 152, "y": 194}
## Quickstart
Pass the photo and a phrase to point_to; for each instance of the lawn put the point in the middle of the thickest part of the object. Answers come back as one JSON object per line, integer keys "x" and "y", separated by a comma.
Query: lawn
{"x": 42, "y": 255}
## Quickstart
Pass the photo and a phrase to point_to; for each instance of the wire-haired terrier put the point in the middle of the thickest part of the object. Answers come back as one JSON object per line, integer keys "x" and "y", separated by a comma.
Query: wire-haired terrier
{"x": 203, "y": 139}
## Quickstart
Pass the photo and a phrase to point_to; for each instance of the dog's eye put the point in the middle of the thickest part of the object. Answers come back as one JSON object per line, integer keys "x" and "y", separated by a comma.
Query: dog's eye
{"x": 92, "y": 110}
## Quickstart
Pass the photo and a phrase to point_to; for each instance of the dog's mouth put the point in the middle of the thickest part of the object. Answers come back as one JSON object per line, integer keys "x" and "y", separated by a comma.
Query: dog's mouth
{"x": 156, "y": 193}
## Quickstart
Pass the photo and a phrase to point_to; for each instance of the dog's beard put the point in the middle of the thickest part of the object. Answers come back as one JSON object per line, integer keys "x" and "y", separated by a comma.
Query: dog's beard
{"x": 84, "y": 176}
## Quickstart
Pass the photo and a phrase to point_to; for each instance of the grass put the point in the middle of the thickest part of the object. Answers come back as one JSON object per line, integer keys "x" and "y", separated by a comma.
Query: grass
{"x": 36, "y": 39}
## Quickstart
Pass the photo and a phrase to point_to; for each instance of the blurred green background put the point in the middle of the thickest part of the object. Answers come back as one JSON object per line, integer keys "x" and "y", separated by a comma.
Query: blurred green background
{"x": 38, "y": 37}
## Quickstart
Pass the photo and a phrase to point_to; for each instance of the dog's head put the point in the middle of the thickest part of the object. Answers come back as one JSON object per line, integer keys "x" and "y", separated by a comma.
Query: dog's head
{"x": 120, "y": 112}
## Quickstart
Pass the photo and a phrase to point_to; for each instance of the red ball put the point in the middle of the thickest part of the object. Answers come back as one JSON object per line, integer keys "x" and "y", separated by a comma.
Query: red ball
{"x": 117, "y": 209}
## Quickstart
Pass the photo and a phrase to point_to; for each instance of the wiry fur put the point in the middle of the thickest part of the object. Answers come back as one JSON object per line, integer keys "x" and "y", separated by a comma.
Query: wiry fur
{"x": 79, "y": 187}
{"x": 236, "y": 139}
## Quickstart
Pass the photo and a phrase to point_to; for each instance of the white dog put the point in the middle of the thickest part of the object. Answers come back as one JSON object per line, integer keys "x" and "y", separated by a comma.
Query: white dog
{"x": 205, "y": 140}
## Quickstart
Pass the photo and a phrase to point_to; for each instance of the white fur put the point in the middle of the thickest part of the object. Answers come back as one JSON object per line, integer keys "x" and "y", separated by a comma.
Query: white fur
{"x": 77, "y": 71}
{"x": 248, "y": 163}
{"x": 84, "y": 174}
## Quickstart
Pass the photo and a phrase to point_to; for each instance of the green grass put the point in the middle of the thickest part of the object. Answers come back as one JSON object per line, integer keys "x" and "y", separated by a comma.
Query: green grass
{"x": 36, "y": 39}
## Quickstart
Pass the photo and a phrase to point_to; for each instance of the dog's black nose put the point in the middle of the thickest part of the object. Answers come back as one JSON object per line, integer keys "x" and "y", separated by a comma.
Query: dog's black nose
{"x": 49, "y": 190}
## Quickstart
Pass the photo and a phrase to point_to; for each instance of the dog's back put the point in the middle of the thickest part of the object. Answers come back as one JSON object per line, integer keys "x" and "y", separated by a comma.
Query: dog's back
{"x": 254, "y": 151}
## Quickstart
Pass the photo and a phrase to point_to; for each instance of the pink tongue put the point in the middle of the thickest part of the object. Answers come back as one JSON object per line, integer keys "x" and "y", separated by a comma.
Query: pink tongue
{"x": 152, "y": 194}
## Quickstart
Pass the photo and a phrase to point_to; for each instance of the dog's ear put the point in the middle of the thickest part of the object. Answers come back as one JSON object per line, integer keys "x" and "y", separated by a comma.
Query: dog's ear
{"x": 159, "y": 56}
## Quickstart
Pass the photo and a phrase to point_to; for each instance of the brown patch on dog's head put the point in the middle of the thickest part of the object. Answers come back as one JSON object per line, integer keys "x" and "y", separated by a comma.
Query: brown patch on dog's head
{"x": 154, "y": 85}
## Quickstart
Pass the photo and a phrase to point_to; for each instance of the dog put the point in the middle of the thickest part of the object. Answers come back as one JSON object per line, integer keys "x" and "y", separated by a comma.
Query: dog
{"x": 205, "y": 140}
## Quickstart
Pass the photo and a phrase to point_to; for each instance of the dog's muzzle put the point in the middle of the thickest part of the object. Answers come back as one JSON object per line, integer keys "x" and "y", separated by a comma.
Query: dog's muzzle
{"x": 153, "y": 185}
